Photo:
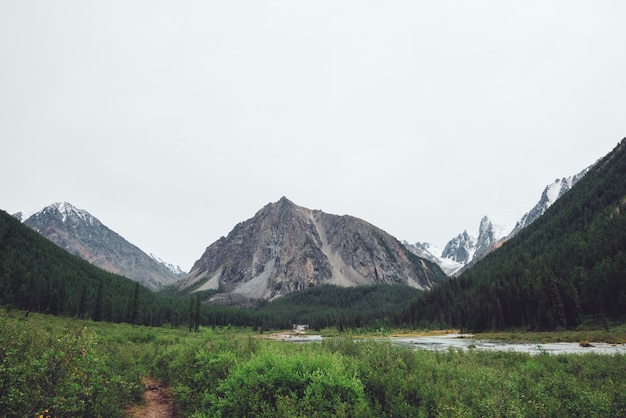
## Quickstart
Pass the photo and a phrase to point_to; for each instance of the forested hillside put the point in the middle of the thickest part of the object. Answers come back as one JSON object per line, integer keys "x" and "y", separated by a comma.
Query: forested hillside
{"x": 372, "y": 306}
{"x": 37, "y": 275}
{"x": 568, "y": 266}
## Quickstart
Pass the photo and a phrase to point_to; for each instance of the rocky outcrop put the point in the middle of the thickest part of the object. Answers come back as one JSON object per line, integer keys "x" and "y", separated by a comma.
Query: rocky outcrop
{"x": 286, "y": 248}
{"x": 460, "y": 249}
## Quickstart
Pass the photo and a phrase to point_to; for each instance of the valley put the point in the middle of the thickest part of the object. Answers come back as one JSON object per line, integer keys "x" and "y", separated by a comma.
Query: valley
{"x": 77, "y": 340}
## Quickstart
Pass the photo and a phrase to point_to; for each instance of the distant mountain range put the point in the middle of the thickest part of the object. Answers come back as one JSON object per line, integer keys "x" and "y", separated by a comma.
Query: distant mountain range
{"x": 466, "y": 249}
{"x": 286, "y": 248}
{"x": 557, "y": 271}
{"x": 348, "y": 253}
{"x": 82, "y": 234}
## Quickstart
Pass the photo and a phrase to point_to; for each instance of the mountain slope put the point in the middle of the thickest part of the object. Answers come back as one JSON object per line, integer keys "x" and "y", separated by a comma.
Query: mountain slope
{"x": 464, "y": 250}
{"x": 550, "y": 194}
{"x": 82, "y": 234}
{"x": 567, "y": 265}
{"x": 286, "y": 248}
{"x": 37, "y": 275}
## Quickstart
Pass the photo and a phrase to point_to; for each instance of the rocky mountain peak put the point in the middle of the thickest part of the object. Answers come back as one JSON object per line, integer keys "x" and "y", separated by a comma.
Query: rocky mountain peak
{"x": 286, "y": 247}
{"x": 464, "y": 249}
{"x": 550, "y": 194}
{"x": 82, "y": 234}
{"x": 460, "y": 249}
{"x": 486, "y": 236}
{"x": 66, "y": 213}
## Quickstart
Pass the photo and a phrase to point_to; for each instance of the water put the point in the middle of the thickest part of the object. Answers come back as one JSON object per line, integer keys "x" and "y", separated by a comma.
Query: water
{"x": 467, "y": 342}
{"x": 463, "y": 342}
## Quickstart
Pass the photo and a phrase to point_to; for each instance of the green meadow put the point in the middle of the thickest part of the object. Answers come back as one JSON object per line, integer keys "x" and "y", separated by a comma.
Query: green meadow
{"x": 54, "y": 366}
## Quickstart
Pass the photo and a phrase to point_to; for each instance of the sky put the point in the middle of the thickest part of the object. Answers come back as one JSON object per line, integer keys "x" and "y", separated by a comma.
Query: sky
{"x": 173, "y": 121}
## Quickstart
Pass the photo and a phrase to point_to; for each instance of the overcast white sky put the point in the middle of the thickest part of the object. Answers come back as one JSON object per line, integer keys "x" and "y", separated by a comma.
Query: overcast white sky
{"x": 173, "y": 121}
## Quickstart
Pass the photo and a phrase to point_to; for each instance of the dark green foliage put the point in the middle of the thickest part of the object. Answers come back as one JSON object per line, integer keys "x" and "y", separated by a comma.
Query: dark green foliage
{"x": 36, "y": 275}
{"x": 344, "y": 307}
{"x": 133, "y": 306}
{"x": 62, "y": 373}
{"x": 568, "y": 265}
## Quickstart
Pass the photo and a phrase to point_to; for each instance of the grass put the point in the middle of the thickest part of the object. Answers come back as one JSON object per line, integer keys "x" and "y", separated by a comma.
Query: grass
{"x": 590, "y": 332}
{"x": 69, "y": 367}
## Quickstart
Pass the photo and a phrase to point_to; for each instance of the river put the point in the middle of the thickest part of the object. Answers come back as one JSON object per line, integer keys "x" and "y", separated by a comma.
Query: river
{"x": 467, "y": 342}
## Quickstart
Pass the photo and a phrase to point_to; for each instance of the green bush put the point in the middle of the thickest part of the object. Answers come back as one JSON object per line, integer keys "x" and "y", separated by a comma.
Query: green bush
{"x": 66, "y": 373}
{"x": 275, "y": 383}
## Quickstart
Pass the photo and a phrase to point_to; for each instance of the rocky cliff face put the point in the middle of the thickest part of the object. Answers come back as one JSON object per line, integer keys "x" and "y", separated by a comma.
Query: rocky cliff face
{"x": 286, "y": 248}
{"x": 460, "y": 249}
{"x": 82, "y": 234}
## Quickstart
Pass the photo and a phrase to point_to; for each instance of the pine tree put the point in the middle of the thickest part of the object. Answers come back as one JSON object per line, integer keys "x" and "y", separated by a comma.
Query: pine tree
{"x": 197, "y": 314}
{"x": 82, "y": 303}
{"x": 97, "y": 312}
{"x": 134, "y": 306}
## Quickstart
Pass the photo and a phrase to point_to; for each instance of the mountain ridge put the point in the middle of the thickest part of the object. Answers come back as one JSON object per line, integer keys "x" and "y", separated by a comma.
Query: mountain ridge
{"x": 285, "y": 247}
{"x": 566, "y": 267}
{"x": 465, "y": 249}
{"x": 80, "y": 233}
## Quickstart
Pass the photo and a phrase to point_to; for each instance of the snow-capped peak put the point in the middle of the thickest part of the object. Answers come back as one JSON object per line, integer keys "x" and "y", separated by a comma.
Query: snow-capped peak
{"x": 551, "y": 194}
{"x": 461, "y": 248}
{"x": 67, "y": 212}
{"x": 171, "y": 267}
{"x": 475, "y": 244}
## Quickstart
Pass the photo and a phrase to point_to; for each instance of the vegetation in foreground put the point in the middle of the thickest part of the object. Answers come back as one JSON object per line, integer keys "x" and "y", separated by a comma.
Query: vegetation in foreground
{"x": 64, "y": 367}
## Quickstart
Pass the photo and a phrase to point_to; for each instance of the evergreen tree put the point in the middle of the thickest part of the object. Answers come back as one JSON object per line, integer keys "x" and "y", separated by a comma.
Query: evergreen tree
{"x": 133, "y": 317}
{"x": 197, "y": 313}
{"x": 97, "y": 312}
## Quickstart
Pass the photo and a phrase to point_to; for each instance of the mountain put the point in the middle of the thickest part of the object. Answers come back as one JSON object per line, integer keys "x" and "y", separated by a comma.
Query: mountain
{"x": 178, "y": 272}
{"x": 567, "y": 266}
{"x": 460, "y": 249}
{"x": 285, "y": 248}
{"x": 37, "y": 275}
{"x": 464, "y": 250}
{"x": 550, "y": 194}
{"x": 433, "y": 254}
{"x": 82, "y": 234}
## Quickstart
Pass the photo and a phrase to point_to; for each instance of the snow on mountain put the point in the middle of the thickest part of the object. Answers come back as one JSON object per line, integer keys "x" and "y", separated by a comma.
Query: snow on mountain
{"x": 470, "y": 246}
{"x": 433, "y": 253}
{"x": 171, "y": 267}
{"x": 550, "y": 194}
{"x": 67, "y": 211}
{"x": 460, "y": 248}
{"x": 82, "y": 234}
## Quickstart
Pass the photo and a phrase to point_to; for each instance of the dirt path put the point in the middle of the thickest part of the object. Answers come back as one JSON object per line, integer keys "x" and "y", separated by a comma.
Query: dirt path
{"x": 158, "y": 401}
